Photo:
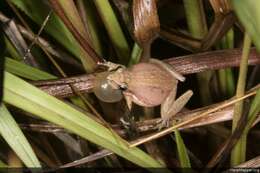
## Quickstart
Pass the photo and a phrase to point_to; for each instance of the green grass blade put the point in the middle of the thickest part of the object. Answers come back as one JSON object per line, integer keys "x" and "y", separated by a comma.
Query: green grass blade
{"x": 26, "y": 71}
{"x": 13, "y": 135}
{"x": 11, "y": 50}
{"x": 225, "y": 76}
{"x": 92, "y": 24}
{"x": 135, "y": 55}
{"x": 2, "y": 164}
{"x": 31, "y": 99}
{"x": 249, "y": 14}
{"x": 67, "y": 11}
{"x": 254, "y": 110}
{"x": 197, "y": 27}
{"x": 114, "y": 30}
{"x": 238, "y": 153}
{"x": 182, "y": 152}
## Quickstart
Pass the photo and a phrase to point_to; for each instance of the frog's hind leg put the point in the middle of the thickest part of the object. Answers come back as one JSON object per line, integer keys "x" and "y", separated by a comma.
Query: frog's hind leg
{"x": 171, "y": 107}
{"x": 128, "y": 120}
{"x": 169, "y": 68}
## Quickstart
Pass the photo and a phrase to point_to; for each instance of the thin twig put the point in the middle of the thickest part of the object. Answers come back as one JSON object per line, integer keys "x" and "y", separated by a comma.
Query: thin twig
{"x": 54, "y": 50}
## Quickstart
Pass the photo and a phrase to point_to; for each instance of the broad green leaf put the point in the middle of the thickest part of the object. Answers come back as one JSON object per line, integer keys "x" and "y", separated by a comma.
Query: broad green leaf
{"x": 29, "y": 98}
{"x": 26, "y": 71}
{"x": 32, "y": 73}
{"x": 13, "y": 135}
{"x": 182, "y": 152}
{"x": 248, "y": 13}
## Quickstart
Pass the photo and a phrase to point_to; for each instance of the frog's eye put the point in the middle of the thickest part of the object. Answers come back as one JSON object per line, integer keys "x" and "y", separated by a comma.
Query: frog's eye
{"x": 104, "y": 91}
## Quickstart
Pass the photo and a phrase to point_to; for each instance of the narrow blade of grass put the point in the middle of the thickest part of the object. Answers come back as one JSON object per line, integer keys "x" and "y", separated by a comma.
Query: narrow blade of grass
{"x": 254, "y": 110}
{"x": 182, "y": 152}
{"x": 225, "y": 76}
{"x": 239, "y": 151}
{"x": 68, "y": 12}
{"x": 2, "y": 164}
{"x": 197, "y": 26}
{"x": 26, "y": 71}
{"x": 13, "y": 135}
{"x": 135, "y": 55}
{"x": 92, "y": 26}
{"x": 29, "y": 98}
{"x": 114, "y": 30}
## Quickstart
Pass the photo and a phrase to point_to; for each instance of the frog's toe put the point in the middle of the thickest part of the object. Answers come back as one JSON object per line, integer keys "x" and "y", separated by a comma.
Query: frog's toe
{"x": 125, "y": 123}
{"x": 159, "y": 121}
{"x": 163, "y": 123}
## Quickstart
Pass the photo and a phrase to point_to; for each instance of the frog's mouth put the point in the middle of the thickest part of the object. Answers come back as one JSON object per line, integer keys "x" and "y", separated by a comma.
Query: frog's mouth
{"x": 115, "y": 85}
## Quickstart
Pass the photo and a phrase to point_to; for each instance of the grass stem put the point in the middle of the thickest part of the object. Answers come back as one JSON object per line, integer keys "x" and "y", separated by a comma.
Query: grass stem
{"x": 239, "y": 151}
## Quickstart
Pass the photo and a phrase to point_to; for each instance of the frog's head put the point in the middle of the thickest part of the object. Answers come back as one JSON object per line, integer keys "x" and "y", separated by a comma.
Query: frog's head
{"x": 117, "y": 79}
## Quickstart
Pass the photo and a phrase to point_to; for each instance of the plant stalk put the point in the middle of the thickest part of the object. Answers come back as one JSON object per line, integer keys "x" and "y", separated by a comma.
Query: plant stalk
{"x": 239, "y": 151}
{"x": 198, "y": 28}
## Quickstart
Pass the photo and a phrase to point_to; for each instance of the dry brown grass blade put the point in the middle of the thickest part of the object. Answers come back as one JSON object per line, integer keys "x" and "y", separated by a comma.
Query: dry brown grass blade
{"x": 218, "y": 29}
{"x": 179, "y": 39}
{"x": 150, "y": 125}
{"x": 221, "y": 6}
{"x": 15, "y": 37}
{"x": 221, "y": 155}
{"x": 224, "y": 20}
{"x": 185, "y": 64}
{"x": 146, "y": 21}
{"x": 146, "y": 25}
{"x": 211, "y": 60}
{"x": 253, "y": 163}
{"x": 53, "y": 50}
{"x": 190, "y": 120}
{"x": 218, "y": 116}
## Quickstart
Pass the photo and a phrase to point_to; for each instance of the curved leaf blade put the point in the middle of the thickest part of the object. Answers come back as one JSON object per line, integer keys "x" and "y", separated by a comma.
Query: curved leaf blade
{"x": 26, "y": 71}
{"x": 182, "y": 152}
{"x": 13, "y": 135}
{"x": 29, "y": 98}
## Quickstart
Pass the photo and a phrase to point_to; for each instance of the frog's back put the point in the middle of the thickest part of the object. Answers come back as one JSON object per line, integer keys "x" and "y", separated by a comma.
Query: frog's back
{"x": 151, "y": 83}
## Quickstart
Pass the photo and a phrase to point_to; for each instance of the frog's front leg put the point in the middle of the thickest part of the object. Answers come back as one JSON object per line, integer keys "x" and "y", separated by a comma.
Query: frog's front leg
{"x": 168, "y": 68}
{"x": 111, "y": 66}
{"x": 128, "y": 120}
{"x": 171, "y": 107}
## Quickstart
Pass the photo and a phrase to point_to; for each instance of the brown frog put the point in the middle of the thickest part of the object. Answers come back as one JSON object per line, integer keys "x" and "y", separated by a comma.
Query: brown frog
{"x": 147, "y": 84}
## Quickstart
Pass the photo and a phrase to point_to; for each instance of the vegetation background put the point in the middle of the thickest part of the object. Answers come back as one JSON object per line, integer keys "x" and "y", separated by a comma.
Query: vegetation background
{"x": 46, "y": 121}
